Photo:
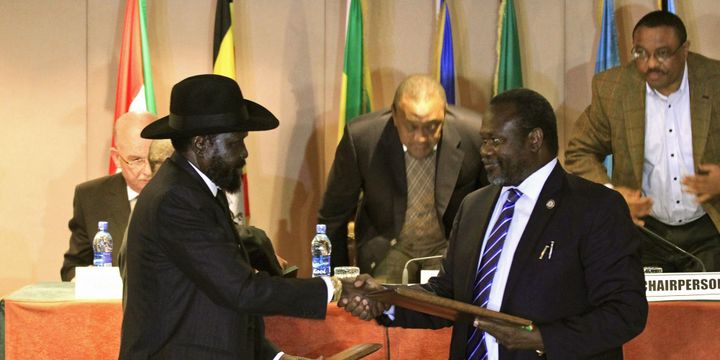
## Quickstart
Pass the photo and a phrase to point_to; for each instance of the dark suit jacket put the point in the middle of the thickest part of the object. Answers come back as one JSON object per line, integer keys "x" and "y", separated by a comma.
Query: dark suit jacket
{"x": 103, "y": 199}
{"x": 587, "y": 300}
{"x": 370, "y": 160}
{"x": 192, "y": 293}
{"x": 614, "y": 123}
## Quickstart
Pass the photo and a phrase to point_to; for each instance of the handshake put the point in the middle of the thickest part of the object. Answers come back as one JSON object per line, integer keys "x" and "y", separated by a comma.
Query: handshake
{"x": 354, "y": 300}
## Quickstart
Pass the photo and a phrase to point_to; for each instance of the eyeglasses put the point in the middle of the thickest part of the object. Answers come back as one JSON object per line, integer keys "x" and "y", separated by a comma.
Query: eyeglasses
{"x": 662, "y": 54}
{"x": 134, "y": 164}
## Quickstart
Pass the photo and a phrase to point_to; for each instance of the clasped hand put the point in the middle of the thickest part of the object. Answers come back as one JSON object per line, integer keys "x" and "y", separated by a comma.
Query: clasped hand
{"x": 354, "y": 301}
{"x": 513, "y": 337}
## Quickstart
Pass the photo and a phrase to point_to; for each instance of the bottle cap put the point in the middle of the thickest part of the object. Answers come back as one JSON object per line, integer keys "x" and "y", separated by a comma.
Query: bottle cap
{"x": 320, "y": 228}
{"x": 102, "y": 225}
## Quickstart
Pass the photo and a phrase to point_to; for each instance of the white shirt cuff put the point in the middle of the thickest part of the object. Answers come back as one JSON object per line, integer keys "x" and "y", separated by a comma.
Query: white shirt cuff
{"x": 330, "y": 287}
{"x": 279, "y": 356}
{"x": 390, "y": 313}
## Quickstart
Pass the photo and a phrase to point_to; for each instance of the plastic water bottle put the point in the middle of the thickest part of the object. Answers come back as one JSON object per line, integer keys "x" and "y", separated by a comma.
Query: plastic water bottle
{"x": 321, "y": 250}
{"x": 102, "y": 246}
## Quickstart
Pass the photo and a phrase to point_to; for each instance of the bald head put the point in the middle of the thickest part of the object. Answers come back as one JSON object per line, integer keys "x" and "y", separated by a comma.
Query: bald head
{"x": 419, "y": 87}
{"x": 130, "y": 152}
{"x": 160, "y": 150}
{"x": 419, "y": 113}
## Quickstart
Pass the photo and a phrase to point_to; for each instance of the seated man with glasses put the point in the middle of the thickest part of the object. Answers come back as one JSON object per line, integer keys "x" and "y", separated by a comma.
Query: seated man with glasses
{"x": 109, "y": 198}
{"x": 658, "y": 116}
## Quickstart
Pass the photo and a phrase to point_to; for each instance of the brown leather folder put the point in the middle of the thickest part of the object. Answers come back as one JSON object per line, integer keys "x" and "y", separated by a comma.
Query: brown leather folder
{"x": 355, "y": 352}
{"x": 415, "y": 298}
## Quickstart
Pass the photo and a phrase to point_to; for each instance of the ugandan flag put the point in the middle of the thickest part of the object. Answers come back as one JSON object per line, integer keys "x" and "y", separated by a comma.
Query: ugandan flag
{"x": 224, "y": 64}
{"x": 356, "y": 89}
{"x": 135, "y": 90}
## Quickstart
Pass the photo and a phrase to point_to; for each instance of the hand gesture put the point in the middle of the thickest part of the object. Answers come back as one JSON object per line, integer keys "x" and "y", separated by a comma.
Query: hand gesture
{"x": 513, "y": 337}
{"x": 706, "y": 184}
{"x": 639, "y": 205}
{"x": 353, "y": 298}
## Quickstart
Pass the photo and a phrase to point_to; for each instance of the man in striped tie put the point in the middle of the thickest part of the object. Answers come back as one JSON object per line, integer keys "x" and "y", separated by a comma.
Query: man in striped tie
{"x": 539, "y": 244}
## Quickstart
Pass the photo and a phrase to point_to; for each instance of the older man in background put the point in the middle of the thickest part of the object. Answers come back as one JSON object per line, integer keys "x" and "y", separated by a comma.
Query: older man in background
{"x": 109, "y": 198}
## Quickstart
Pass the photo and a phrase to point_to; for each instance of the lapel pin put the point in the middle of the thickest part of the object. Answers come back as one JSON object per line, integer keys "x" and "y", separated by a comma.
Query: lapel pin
{"x": 550, "y": 204}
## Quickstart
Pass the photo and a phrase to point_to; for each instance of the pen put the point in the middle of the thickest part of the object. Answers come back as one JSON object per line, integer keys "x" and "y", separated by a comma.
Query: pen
{"x": 552, "y": 244}
{"x": 542, "y": 253}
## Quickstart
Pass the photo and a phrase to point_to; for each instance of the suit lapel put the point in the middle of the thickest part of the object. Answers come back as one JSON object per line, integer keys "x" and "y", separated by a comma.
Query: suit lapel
{"x": 486, "y": 205}
{"x": 394, "y": 155}
{"x": 449, "y": 162}
{"x": 119, "y": 202}
{"x": 633, "y": 106}
{"x": 700, "y": 109}
{"x": 539, "y": 218}
{"x": 222, "y": 213}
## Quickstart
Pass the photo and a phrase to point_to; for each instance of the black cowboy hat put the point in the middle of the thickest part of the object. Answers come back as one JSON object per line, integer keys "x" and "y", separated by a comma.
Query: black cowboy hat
{"x": 209, "y": 104}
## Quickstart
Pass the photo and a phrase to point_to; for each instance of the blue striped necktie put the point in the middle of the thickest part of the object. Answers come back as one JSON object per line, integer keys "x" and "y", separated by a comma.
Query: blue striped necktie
{"x": 476, "y": 348}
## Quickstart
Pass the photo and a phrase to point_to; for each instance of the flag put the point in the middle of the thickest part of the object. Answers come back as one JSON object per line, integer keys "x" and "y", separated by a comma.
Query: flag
{"x": 444, "y": 58}
{"x": 356, "y": 88}
{"x": 667, "y": 5}
{"x": 508, "y": 72}
{"x": 608, "y": 55}
{"x": 135, "y": 90}
{"x": 224, "y": 64}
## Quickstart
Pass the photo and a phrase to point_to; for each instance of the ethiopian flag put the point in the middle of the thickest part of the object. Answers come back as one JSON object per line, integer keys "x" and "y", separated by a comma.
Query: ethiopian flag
{"x": 135, "y": 91}
{"x": 356, "y": 90}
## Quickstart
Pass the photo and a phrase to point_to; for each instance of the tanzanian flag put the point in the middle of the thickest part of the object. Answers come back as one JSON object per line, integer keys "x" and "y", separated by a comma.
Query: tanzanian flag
{"x": 444, "y": 58}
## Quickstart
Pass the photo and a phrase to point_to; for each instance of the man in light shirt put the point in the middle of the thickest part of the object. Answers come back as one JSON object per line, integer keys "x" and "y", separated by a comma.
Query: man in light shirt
{"x": 658, "y": 117}
{"x": 537, "y": 243}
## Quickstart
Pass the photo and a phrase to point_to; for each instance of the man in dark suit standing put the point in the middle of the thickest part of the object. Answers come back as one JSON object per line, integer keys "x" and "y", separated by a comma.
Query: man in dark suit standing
{"x": 402, "y": 173}
{"x": 192, "y": 293}
{"x": 540, "y": 244}
{"x": 109, "y": 198}
{"x": 658, "y": 116}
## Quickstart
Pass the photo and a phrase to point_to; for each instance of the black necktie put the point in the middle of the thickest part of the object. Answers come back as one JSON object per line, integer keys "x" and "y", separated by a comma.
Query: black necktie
{"x": 223, "y": 201}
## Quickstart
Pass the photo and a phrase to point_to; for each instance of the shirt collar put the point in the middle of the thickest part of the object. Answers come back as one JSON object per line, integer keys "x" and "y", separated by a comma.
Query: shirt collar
{"x": 533, "y": 184}
{"x": 210, "y": 184}
{"x": 405, "y": 148}
{"x": 132, "y": 194}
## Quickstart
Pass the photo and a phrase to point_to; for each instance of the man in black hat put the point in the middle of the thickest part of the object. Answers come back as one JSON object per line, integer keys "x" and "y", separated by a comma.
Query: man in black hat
{"x": 192, "y": 292}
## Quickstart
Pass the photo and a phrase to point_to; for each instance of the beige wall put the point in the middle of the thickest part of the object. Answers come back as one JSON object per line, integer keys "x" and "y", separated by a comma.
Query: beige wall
{"x": 57, "y": 82}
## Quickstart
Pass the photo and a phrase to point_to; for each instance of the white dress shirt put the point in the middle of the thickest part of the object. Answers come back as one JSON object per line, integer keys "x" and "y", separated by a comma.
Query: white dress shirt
{"x": 530, "y": 188}
{"x": 669, "y": 155}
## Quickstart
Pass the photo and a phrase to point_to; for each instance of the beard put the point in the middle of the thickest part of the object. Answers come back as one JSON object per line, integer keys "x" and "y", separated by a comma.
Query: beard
{"x": 225, "y": 176}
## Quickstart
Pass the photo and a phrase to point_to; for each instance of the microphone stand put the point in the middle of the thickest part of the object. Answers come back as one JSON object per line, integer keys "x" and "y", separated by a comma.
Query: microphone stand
{"x": 666, "y": 242}
{"x": 405, "y": 269}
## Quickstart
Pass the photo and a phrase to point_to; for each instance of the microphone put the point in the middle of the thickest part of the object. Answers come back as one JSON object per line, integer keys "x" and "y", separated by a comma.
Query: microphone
{"x": 405, "y": 269}
{"x": 666, "y": 242}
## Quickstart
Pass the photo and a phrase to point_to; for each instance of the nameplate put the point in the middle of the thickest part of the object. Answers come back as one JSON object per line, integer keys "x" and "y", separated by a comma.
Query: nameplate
{"x": 425, "y": 275}
{"x": 92, "y": 283}
{"x": 682, "y": 286}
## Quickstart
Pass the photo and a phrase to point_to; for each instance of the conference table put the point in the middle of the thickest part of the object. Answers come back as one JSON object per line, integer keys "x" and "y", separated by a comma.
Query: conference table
{"x": 44, "y": 321}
